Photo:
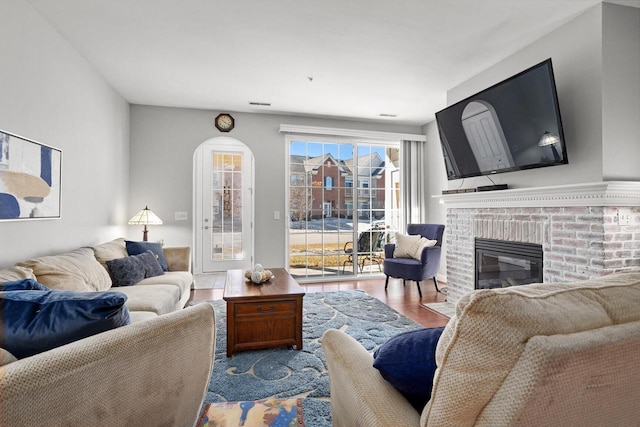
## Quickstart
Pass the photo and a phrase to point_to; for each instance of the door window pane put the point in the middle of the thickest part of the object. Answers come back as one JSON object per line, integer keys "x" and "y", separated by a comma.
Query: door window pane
{"x": 226, "y": 209}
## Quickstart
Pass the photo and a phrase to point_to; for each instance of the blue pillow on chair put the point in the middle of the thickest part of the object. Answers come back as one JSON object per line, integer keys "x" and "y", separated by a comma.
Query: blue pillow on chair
{"x": 408, "y": 362}
{"x": 37, "y": 321}
{"x": 23, "y": 285}
{"x": 136, "y": 248}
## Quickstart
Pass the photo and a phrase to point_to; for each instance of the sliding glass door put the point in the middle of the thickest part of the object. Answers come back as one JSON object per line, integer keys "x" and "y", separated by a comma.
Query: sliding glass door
{"x": 343, "y": 205}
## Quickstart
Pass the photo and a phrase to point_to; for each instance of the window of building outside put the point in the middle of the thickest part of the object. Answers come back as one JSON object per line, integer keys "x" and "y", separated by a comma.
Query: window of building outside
{"x": 328, "y": 183}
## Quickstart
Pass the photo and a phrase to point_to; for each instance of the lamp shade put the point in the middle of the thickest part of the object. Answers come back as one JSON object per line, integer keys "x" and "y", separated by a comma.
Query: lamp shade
{"x": 145, "y": 217}
{"x": 548, "y": 138}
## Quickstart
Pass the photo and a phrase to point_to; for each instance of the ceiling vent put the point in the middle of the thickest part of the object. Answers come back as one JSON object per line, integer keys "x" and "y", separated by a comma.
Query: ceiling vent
{"x": 260, "y": 104}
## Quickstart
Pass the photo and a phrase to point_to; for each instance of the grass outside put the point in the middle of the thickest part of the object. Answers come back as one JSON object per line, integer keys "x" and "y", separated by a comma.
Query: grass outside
{"x": 312, "y": 255}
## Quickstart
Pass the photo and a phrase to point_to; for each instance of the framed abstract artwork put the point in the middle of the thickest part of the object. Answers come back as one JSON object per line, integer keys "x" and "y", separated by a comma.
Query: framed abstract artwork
{"x": 30, "y": 179}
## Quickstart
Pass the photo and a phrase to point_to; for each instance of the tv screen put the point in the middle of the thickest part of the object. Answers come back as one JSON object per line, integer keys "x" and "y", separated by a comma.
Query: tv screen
{"x": 510, "y": 126}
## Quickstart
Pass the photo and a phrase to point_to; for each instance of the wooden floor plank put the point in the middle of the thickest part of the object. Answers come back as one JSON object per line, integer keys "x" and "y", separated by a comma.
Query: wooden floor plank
{"x": 404, "y": 299}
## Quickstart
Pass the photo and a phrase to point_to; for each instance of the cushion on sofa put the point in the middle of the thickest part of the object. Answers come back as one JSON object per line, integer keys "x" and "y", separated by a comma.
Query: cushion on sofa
{"x": 23, "y": 285}
{"x": 130, "y": 270}
{"x": 77, "y": 270}
{"x": 408, "y": 361}
{"x": 139, "y": 316}
{"x": 501, "y": 321}
{"x": 15, "y": 273}
{"x": 111, "y": 250}
{"x": 159, "y": 299}
{"x": 136, "y": 248}
{"x": 36, "y": 321}
{"x": 125, "y": 271}
{"x": 180, "y": 279}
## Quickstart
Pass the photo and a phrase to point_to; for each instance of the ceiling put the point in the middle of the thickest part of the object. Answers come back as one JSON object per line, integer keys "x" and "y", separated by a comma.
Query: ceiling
{"x": 354, "y": 59}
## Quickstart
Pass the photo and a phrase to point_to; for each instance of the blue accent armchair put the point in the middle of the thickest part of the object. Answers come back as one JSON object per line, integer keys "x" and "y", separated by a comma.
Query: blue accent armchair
{"x": 413, "y": 269}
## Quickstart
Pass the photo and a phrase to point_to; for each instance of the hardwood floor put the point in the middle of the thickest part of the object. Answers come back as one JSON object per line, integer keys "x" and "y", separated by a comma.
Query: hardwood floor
{"x": 405, "y": 299}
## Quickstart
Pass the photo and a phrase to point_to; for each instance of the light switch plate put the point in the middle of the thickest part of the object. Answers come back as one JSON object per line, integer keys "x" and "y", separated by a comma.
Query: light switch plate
{"x": 180, "y": 216}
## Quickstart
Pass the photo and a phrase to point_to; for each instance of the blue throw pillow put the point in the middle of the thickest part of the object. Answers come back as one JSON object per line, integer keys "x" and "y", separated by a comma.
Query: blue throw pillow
{"x": 37, "y": 321}
{"x": 23, "y": 285}
{"x": 408, "y": 362}
{"x": 130, "y": 270}
{"x": 136, "y": 248}
{"x": 125, "y": 271}
{"x": 150, "y": 263}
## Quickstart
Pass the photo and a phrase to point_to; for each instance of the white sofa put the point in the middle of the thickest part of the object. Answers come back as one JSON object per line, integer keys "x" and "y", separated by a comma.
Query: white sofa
{"x": 536, "y": 355}
{"x": 152, "y": 372}
{"x": 85, "y": 270}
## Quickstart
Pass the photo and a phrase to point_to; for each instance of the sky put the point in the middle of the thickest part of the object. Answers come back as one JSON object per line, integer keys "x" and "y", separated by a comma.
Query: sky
{"x": 338, "y": 151}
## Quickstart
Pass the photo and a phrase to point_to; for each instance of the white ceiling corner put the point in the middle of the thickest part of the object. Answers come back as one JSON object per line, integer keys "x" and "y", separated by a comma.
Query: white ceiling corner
{"x": 365, "y": 57}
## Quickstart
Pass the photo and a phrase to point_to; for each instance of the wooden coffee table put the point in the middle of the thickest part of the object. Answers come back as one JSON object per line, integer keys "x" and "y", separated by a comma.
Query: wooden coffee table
{"x": 263, "y": 316}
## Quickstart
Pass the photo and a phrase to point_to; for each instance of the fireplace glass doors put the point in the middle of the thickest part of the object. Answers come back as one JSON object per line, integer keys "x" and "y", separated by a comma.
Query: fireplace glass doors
{"x": 500, "y": 264}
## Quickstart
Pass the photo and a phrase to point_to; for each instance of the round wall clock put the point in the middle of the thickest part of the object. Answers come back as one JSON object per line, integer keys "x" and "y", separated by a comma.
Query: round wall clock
{"x": 224, "y": 122}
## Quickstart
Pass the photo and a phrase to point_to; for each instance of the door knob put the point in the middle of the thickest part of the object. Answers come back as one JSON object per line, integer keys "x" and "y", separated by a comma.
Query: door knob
{"x": 206, "y": 227}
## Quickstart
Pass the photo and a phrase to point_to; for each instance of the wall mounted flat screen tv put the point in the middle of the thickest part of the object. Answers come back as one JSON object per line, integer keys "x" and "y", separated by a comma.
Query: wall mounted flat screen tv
{"x": 513, "y": 125}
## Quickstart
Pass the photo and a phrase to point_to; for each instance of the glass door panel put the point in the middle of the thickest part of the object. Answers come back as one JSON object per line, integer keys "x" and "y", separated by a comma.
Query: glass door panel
{"x": 226, "y": 208}
{"x": 339, "y": 207}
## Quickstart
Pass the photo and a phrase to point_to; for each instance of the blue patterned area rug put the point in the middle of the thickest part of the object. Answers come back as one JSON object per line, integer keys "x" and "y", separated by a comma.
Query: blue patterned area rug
{"x": 287, "y": 373}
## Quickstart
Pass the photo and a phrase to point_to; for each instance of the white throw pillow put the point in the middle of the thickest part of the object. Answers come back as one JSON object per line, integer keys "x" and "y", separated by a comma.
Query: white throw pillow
{"x": 406, "y": 245}
{"x": 411, "y": 246}
{"x": 424, "y": 243}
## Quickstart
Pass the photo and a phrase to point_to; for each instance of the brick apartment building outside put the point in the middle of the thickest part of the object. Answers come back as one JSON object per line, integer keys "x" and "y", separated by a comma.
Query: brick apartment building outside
{"x": 323, "y": 187}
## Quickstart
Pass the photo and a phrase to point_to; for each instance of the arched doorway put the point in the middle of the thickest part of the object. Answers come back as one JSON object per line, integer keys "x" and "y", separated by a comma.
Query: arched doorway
{"x": 223, "y": 173}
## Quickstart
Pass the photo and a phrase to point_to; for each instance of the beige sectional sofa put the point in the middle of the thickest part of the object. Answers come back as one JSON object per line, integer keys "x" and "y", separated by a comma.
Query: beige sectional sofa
{"x": 152, "y": 372}
{"x": 537, "y": 355}
{"x": 85, "y": 270}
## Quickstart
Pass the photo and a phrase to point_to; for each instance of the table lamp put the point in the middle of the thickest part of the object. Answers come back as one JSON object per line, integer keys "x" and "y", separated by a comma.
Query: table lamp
{"x": 145, "y": 217}
{"x": 550, "y": 139}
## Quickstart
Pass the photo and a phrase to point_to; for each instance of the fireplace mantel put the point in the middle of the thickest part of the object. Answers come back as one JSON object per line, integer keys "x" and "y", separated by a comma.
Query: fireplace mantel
{"x": 606, "y": 193}
{"x": 579, "y": 227}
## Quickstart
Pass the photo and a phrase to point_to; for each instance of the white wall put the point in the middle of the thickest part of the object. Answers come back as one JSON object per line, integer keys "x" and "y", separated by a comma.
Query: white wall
{"x": 596, "y": 59}
{"x": 163, "y": 141}
{"x": 52, "y": 95}
{"x": 576, "y": 52}
{"x": 621, "y": 92}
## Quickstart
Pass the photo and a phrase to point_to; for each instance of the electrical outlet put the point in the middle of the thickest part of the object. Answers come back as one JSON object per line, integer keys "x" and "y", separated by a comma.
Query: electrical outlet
{"x": 180, "y": 216}
{"x": 623, "y": 217}
{"x": 276, "y": 214}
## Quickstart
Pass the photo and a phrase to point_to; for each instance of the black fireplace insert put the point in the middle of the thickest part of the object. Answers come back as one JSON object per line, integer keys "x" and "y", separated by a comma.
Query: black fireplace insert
{"x": 500, "y": 263}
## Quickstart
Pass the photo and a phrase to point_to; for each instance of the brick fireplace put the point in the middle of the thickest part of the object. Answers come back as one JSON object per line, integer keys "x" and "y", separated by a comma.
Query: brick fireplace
{"x": 585, "y": 230}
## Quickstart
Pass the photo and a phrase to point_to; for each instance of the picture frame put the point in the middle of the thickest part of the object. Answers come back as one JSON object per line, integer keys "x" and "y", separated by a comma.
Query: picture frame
{"x": 30, "y": 179}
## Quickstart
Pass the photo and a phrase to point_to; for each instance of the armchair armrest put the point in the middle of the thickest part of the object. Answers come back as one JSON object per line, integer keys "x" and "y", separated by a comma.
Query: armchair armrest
{"x": 359, "y": 394}
{"x": 388, "y": 250}
{"x": 178, "y": 258}
{"x": 154, "y": 372}
{"x": 431, "y": 254}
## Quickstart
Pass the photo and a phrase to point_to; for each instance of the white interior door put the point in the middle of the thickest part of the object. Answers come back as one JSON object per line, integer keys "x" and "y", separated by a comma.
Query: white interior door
{"x": 224, "y": 224}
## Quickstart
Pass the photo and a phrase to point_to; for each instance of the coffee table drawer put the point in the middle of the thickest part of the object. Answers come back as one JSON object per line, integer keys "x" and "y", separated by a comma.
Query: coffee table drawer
{"x": 263, "y": 308}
